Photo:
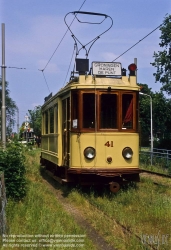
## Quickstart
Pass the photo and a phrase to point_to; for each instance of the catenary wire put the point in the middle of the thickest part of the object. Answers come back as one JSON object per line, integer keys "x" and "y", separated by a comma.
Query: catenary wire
{"x": 57, "y": 48}
{"x": 112, "y": 61}
{"x": 137, "y": 42}
{"x": 62, "y": 39}
{"x": 45, "y": 79}
{"x": 15, "y": 68}
{"x": 69, "y": 65}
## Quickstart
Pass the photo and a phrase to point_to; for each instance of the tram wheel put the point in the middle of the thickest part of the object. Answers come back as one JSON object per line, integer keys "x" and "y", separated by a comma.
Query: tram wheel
{"x": 114, "y": 187}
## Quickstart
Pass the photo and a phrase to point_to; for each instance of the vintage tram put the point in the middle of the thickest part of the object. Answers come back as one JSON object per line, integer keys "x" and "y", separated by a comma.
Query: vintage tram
{"x": 90, "y": 131}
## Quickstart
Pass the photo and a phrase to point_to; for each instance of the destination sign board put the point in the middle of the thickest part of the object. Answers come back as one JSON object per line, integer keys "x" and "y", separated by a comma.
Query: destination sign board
{"x": 106, "y": 68}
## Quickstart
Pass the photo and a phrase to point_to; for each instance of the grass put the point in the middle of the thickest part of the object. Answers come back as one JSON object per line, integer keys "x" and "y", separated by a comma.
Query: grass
{"x": 159, "y": 165}
{"x": 157, "y": 168}
{"x": 144, "y": 209}
{"x": 40, "y": 213}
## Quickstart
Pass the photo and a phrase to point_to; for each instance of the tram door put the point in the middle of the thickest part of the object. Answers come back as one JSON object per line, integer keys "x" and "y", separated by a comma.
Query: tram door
{"x": 66, "y": 132}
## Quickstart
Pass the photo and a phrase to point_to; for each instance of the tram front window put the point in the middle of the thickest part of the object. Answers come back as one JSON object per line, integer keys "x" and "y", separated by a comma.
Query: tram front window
{"x": 88, "y": 110}
{"x": 127, "y": 111}
{"x": 108, "y": 111}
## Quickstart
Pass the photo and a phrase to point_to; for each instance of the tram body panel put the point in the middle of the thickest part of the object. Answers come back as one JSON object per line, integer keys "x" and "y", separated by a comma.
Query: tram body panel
{"x": 106, "y": 145}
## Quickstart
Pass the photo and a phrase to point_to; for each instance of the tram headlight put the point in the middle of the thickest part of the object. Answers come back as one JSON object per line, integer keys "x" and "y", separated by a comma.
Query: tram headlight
{"x": 127, "y": 153}
{"x": 89, "y": 153}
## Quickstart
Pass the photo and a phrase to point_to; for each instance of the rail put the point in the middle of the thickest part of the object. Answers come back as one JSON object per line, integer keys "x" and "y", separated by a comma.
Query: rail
{"x": 3, "y": 202}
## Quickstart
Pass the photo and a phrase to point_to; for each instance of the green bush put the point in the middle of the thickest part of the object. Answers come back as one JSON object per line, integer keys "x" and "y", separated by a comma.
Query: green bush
{"x": 12, "y": 161}
{"x": 165, "y": 144}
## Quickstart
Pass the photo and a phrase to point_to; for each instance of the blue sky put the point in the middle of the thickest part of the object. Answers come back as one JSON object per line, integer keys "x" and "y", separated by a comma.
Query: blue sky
{"x": 34, "y": 28}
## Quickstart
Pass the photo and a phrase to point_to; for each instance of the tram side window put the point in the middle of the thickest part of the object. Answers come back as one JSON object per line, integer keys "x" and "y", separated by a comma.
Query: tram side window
{"x": 46, "y": 122}
{"x": 51, "y": 113}
{"x": 56, "y": 118}
{"x": 127, "y": 111}
{"x": 88, "y": 110}
{"x": 75, "y": 106}
{"x": 108, "y": 111}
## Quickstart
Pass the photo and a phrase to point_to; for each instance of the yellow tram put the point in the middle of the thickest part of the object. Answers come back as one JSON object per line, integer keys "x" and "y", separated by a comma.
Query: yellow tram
{"x": 90, "y": 129}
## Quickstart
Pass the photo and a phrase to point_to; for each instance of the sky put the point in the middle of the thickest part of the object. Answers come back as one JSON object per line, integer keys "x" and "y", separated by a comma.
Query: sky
{"x": 36, "y": 39}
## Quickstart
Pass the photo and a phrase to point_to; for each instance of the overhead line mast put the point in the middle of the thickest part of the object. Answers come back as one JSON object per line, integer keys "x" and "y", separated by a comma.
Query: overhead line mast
{"x": 3, "y": 88}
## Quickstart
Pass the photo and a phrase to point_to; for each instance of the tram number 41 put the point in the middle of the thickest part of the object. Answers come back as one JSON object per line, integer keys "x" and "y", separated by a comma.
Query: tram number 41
{"x": 109, "y": 144}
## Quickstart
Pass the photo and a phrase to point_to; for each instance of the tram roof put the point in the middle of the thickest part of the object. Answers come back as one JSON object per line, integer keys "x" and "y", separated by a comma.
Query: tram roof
{"x": 94, "y": 82}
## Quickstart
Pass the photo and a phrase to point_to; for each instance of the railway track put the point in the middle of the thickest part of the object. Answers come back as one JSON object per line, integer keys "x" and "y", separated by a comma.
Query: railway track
{"x": 155, "y": 173}
{"x": 157, "y": 178}
{"x": 91, "y": 233}
{"x": 98, "y": 240}
{"x": 125, "y": 229}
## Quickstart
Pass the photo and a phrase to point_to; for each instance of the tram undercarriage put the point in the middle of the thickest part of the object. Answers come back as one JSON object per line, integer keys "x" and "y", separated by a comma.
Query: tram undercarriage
{"x": 115, "y": 178}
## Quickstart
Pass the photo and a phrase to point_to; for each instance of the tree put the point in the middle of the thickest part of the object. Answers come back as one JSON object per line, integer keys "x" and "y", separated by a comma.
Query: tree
{"x": 36, "y": 120}
{"x": 161, "y": 115}
{"x": 144, "y": 115}
{"x": 162, "y": 59}
{"x": 11, "y": 108}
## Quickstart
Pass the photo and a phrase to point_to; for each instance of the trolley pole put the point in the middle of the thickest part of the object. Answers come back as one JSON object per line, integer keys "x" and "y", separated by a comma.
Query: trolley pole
{"x": 3, "y": 89}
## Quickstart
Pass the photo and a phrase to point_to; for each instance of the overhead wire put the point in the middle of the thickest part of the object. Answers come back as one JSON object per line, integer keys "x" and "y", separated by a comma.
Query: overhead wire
{"x": 45, "y": 80}
{"x": 15, "y": 68}
{"x": 74, "y": 49}
{"x": 58, "y": 47}
{"x": 137, "y": 42}
{"x": 69, "y": 65}
{"x": 62, "y": 38}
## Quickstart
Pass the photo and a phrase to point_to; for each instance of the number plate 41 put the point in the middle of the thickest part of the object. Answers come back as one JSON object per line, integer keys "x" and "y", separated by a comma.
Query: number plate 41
{"x": 109, "y": 144}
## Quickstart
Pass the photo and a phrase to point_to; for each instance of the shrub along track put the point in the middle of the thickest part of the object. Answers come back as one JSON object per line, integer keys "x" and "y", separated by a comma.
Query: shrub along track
{"x": 79, "y": 217}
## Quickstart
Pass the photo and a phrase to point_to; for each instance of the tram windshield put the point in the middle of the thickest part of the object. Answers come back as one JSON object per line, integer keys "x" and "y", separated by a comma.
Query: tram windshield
{"x": 88, "y": 110}
{"x": 127, "y": 111}
{"x": 108, "y": 111}
{"x": 104, "y": 110}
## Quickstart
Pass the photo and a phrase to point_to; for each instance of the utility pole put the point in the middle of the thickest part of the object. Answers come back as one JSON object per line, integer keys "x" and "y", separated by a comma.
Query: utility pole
{"x": 26, "y": 126}
{"x": 3, "y": 89}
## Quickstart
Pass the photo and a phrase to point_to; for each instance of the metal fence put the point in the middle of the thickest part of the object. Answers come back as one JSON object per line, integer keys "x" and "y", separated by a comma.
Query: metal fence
{"x": 157, "y": 155}
{"x": 3, "y": 202}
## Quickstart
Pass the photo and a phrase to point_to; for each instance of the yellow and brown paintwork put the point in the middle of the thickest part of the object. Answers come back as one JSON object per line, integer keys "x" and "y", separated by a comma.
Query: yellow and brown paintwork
{"x": 64, "y": 148}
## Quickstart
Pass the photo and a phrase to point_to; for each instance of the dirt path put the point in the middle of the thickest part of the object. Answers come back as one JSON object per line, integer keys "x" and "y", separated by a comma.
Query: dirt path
{"x": 91, "y": 233}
